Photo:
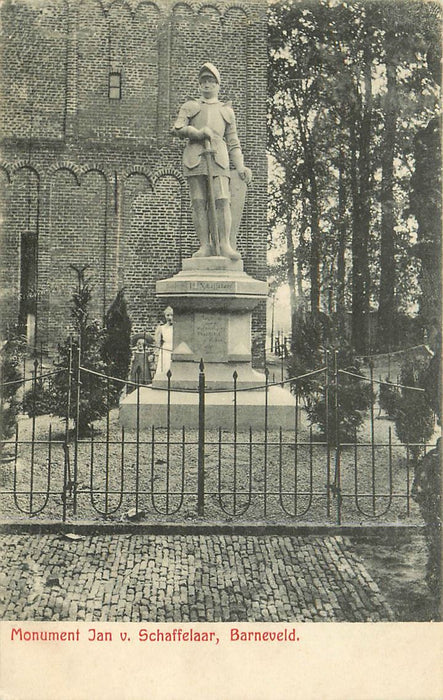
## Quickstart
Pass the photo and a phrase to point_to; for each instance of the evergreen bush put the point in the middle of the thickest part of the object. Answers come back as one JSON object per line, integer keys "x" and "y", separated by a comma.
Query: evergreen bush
{"x": 353, "y": 401}
{"x": 389, "y": 398}
{"x": 38, "y": 400}
{"x": 93, "y": 390}
{"x": 426, "y": 489}
{"x": 307, "y": 354}
{"x": 10, "y": 376}
{"x": 116, "y": 348}
{"x": 354, "y": 396}
{"x": 414, "y": 417}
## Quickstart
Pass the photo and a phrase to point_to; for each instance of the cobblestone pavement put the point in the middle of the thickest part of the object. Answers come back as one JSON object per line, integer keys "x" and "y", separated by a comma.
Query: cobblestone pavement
{"x": 186, "y": 578}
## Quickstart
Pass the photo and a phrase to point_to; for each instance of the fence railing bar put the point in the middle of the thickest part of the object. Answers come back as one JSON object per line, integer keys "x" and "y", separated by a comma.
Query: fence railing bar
{"x": 377, "y": 381}
{"x": 30, "y": 379}
{"x": 207, "y": 391}
{"x": 393, "y": 352}
{"x": 386, "y": 444}
{"x": 259, "y": 492}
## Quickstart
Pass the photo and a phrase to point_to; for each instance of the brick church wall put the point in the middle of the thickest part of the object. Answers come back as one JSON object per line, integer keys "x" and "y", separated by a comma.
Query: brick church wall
{"x": 98, "y": 180}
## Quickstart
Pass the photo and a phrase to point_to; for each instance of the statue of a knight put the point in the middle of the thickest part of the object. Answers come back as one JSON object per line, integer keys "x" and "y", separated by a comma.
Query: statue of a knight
{"x": 213, "y": 142}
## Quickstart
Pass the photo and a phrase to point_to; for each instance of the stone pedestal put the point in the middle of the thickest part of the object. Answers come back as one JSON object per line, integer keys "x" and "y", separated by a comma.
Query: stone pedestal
{"x": 213, "y": 299}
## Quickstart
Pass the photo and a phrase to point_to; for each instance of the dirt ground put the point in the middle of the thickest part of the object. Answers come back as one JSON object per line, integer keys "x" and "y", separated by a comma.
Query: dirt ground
{"x": 398, "y": 566}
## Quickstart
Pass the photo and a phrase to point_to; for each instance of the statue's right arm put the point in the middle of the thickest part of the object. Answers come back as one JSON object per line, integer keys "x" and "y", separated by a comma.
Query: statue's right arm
{"x": 158, "y": 337}
{"x": 182, "y": 127}
{"x": 190, "y": 132}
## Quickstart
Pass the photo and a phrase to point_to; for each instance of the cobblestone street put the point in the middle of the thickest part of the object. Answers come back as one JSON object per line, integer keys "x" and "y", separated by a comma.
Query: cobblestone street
{"x": 186, "y": 578}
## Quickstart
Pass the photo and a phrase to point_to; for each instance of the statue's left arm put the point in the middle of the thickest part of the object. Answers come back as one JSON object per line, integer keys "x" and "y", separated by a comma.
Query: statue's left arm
{"x": 234, "y": 148}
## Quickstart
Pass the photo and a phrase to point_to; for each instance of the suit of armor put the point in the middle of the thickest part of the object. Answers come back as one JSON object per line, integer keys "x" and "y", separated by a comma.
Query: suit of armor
{"x": 220, "y": 118}
{"x": 209, "y": 121}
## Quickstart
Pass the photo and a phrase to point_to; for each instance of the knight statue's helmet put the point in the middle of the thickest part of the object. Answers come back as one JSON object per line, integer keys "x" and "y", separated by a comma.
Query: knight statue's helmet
{"x": 209, "y": 69}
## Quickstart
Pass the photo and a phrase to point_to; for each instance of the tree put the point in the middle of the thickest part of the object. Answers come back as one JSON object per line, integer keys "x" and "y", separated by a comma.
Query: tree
{"x": 293, "y": 130}
{"x": 348, "y": 87}
{"x": 386, "y": 307}
{"x": 426, "y": 203}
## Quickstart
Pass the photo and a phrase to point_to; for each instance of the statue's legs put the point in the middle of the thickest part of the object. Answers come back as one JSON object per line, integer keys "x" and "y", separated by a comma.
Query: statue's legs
{"x": 197, "y": 189}
{"x": 224, "y": 219}
{"x": 224, "y": 222}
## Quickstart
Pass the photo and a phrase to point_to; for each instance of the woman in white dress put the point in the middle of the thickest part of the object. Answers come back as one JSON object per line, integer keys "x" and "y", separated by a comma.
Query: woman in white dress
{"x": 163, "y": 341}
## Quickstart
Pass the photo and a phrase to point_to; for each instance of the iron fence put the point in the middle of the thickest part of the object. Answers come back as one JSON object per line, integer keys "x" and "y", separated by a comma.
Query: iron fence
{"x": 51, "y": 470}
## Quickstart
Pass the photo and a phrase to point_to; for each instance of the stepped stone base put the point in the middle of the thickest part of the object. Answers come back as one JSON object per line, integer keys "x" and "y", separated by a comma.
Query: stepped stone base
{"x": 219, "y": 409}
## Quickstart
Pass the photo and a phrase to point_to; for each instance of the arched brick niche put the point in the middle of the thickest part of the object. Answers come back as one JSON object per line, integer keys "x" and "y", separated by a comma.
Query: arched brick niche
{"x": 19, "y": 213}
{"x": 77, "y": 224}
{"x": 154, "y": 207}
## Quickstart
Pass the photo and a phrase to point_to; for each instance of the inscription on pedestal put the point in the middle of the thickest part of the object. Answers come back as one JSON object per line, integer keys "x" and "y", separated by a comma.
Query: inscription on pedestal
{"x": 204, "y": 286}
{"x": 210, "y": 335}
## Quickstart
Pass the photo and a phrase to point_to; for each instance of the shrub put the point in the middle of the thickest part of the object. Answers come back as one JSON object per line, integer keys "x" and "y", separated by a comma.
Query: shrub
{"x": 10, "y": 377}
{"x": 306, "y": 354}
{"x": 426, "y": 491}
{"x": 93, "y": 393}
{"x": 354, "y": 395}
{"x": 354, "y": 398}
{"x": 389, "y": 398}
{"x": 38, "y": 401}
{"x": 414, "y": 418}
{"x": 432, "y": 381}
{"x": 116, "y": 349}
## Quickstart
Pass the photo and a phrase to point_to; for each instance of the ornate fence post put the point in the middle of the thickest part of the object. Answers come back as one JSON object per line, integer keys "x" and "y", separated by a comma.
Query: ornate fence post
{"x": 328, "y": 448}
{"x": 265, "y": 445}
{"x": 137, "y": 443}
{"x": 337, "y": 484}
{"x": 201, "y": 441}
{"x": 108, "y": 408}
{"x": 77, "y": 428}
{"x": 168, "y": 439}
{"x": 67, "y": 466}
{"x": 34, "y": 397}
{"x": 235, "y": 377}
{"x": 371, "y": 374}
